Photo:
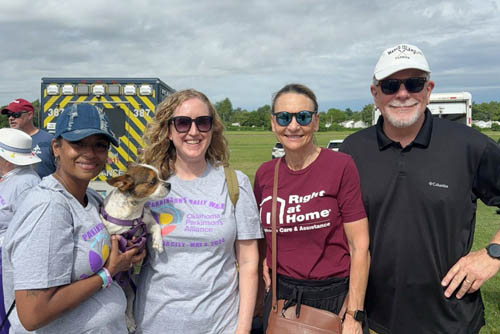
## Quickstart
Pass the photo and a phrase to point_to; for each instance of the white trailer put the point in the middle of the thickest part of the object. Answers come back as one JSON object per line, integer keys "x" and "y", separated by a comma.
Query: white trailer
{"x": 456, "y": 107}
{"x": 453, "y": 106}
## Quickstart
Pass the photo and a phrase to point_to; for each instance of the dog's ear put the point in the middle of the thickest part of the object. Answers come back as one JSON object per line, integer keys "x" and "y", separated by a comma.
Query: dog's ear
{"x": 122, "y": 182}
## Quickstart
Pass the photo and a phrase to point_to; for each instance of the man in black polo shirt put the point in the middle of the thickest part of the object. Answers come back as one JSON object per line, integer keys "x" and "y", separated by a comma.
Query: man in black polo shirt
{"x": 420, "y": 179}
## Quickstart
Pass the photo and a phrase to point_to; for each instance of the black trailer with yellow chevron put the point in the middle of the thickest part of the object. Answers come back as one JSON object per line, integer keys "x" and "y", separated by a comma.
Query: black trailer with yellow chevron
{"x": 128, "y": 102}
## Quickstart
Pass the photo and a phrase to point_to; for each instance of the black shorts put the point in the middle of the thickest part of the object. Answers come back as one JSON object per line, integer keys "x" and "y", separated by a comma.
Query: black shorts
{"x": 327, "y": 294}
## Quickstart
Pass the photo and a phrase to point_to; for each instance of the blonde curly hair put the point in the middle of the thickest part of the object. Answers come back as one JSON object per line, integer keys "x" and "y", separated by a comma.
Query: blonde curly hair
{"x": 159, "y": 150}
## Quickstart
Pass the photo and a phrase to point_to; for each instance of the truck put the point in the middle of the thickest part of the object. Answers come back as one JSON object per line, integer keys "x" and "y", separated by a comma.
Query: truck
{"x": 129, "y": 104}
{"x": 455, "y": 107}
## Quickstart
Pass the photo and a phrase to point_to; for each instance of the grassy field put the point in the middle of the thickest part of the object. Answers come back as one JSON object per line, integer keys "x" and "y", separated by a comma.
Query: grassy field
{"x": 250, "y": 149}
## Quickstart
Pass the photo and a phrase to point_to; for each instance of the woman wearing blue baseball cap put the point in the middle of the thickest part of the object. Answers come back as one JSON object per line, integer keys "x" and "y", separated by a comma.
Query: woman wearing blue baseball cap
{"x": 59, "y": 258}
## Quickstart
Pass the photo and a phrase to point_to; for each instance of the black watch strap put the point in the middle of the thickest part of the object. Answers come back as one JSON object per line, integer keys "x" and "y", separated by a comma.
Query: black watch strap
{"x": 358, "y": 315}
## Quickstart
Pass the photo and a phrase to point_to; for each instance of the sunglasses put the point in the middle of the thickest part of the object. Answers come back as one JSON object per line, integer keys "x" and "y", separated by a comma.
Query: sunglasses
{"x": 15, "y": 114}
{"x": 183, "y": 123}
{"x": 412, "y": 85}
{"x": 303, "y": 117}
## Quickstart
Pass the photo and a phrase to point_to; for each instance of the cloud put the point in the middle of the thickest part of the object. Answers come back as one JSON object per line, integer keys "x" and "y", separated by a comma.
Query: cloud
{"x": 247, "y": 50}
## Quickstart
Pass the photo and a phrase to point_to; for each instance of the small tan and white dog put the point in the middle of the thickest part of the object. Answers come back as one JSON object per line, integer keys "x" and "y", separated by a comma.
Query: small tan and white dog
{"x": 124, "y": 213}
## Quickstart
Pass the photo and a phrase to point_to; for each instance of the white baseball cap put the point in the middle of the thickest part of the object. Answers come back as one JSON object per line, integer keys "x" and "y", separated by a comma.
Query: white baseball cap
{"x": 15, "y": 147}
{"x": 400, "y": 57}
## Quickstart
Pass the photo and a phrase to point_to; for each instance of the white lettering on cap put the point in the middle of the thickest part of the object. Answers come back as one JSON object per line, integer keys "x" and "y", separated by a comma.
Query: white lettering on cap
{"x": 72, "y": 117}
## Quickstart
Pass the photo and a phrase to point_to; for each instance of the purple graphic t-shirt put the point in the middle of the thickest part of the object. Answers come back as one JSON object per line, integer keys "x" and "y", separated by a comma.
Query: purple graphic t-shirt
{"x": 192, "y": 287}
{"x": 55, "y": 241}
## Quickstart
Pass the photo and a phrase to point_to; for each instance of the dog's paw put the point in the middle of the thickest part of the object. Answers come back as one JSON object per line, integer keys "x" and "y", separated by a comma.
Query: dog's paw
{"x": 157, "y": 244}
{"x": 131, "y": 326}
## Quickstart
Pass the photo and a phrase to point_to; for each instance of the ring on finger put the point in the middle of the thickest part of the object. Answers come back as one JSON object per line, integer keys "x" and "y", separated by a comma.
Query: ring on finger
{"x": 468, "y": 281}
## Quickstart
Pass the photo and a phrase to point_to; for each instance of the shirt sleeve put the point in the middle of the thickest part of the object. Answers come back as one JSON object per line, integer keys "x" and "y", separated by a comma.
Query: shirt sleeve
{"x": 349, "y": 198}
{"x": 257, "y": 191}
{"x": 246, "y": 212}
{"x": 42, "y": 255}
{"x": 486, "y": 184}
{"x": 29, "y": 182}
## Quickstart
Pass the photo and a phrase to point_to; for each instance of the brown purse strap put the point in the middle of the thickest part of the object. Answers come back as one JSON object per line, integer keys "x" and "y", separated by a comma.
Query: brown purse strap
{"x": 273, "y": 242}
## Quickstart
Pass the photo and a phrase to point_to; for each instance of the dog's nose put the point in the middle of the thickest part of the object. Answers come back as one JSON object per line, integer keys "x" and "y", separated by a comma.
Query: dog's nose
{"x": 167, "y": 185}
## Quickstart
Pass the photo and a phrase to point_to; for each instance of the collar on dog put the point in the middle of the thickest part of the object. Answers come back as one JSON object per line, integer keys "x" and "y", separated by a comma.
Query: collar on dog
{"x": 122, "y": 222}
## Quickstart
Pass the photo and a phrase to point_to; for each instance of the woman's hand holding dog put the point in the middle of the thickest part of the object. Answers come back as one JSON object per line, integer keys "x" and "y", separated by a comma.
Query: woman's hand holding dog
{"x": 118, "y": 262}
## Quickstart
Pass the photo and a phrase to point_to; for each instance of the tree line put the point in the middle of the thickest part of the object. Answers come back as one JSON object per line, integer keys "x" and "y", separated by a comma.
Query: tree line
{"x": 330, "y": 119}
{"x": 486, "y": 111}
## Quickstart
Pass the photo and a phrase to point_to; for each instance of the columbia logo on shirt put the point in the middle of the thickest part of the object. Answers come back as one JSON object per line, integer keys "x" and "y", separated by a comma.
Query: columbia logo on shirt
{"x": 438, "y": 185}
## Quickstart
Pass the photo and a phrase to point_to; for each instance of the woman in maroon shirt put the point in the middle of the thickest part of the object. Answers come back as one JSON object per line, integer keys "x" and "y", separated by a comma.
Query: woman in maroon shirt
{"x": 322, "y": 230}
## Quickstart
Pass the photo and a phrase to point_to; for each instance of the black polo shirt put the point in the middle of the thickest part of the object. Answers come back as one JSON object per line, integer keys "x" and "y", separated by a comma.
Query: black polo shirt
{"x": 421, "y": 206}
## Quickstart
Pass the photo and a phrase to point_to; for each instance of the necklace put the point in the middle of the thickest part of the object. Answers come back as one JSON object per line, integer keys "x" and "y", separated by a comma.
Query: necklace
{"x": 61, "y": 181}
{"x": 305, "y": 163}
{"x": 59, "y": 178}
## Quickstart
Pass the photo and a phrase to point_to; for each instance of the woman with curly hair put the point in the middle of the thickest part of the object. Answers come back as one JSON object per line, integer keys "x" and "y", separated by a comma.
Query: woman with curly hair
{"x": 194, "y": 286}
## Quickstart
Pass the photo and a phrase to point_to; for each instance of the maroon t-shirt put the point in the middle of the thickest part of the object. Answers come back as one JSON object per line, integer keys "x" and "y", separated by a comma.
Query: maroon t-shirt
{"x": 313, "y": 204}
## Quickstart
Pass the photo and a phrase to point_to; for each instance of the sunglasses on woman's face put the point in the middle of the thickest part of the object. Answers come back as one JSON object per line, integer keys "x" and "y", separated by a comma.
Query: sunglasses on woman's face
{"x": 412, "y": 85}
{"x": 303, "y": 117}
{"x": 183, "y": 123}
{"x": 15, "y": 114}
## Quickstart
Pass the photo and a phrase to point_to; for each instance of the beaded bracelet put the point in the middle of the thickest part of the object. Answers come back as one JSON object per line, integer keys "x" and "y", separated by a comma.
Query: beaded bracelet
{"x": 106, "y": 277}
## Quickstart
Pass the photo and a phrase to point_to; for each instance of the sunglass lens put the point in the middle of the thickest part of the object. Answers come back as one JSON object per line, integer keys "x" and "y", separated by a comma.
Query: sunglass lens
{"x": 390, "y": 86}
{"x": 283, "y": 118}
{"x": 203, "y": 123}
{"x": 182, "y": 124}
{"x": 303, "y": 117}
{"x": 414, "y": 85}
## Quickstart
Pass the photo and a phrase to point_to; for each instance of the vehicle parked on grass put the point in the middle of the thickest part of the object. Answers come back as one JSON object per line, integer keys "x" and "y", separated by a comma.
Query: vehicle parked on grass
{"x": 335, "y": 144}
{"x": 129, "y": 104}
{"x": 278, "y": 151}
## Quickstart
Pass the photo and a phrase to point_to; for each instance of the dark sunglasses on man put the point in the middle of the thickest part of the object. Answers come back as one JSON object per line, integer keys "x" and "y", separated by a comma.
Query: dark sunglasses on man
{"x": 15, "y": 114}
{"x": 412, "y": 85}
{"x": 183, "y": 123}
{"x": 303, "y": 117}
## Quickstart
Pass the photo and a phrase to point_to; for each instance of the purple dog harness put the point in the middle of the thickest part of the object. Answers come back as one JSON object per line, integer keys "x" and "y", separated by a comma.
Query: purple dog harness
{"x": 137, "y": 230}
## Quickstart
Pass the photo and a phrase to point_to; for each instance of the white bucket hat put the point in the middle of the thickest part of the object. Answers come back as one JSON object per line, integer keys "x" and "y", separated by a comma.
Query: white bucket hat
{"x": 15, "y": 147}
{"x": 398, "y": 58}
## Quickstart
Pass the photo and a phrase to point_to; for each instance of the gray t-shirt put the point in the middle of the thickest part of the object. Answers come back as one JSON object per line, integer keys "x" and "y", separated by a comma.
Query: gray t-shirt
{"x": 13, "y": 189}
{"x": 192, "y": 287}
{"x": 53, "y": 240}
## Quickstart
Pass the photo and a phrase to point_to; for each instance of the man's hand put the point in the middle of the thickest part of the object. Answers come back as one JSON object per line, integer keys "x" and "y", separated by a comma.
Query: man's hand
{"x": 470, "y": 272}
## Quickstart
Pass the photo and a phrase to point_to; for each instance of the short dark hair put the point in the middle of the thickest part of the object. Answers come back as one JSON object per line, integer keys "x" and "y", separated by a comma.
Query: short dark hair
{"x": 297, "y": 89}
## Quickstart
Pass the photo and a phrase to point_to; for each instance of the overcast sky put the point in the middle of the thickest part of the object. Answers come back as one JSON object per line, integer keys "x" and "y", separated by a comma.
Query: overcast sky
{"x": 246, "y": 50}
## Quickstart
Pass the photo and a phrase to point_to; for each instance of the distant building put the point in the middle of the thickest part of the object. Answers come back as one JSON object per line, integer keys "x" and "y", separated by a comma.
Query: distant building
{"x": 351, "y": 124}
{"x": 485, "y": 124}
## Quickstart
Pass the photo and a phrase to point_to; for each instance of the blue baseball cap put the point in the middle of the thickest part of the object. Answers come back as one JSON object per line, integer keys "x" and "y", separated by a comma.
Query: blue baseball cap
{"x": 82, "y": 120}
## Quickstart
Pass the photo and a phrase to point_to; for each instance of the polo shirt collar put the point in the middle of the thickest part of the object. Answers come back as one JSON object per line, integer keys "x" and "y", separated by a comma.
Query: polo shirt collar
{"x": 423, "y": 137}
